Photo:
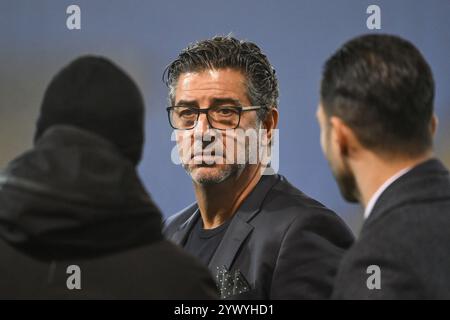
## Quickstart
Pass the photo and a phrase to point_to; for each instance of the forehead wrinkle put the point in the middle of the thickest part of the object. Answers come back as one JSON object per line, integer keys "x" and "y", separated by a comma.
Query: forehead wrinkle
{"x": 201, "y": 87}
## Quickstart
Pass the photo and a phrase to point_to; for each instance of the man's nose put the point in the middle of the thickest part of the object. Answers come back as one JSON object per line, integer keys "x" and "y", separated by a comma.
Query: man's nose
{"x": 203, "y": 133}
{"x": 202, "y": 124}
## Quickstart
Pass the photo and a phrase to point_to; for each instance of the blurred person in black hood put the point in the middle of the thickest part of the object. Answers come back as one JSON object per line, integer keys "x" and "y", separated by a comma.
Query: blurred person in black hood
{"x": 75, "y": 219}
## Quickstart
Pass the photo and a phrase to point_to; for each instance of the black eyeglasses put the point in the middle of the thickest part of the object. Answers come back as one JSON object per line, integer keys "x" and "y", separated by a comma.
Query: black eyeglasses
{"x": 221, "y": 117}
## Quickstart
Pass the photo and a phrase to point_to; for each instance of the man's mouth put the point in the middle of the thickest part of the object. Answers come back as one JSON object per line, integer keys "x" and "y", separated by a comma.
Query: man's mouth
{"x": 208, "y": 159}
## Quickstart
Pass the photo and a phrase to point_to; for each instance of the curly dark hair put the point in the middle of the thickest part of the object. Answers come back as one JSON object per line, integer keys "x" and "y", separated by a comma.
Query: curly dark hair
{"x": 222, "y": 52}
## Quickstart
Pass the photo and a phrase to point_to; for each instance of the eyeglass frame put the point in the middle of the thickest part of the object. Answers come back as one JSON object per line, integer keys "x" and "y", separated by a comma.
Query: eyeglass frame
{"x": 206, "y": 110}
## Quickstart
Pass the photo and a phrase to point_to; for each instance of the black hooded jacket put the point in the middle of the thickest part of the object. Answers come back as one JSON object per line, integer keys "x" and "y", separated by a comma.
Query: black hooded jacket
{"x": 76, "y": 222}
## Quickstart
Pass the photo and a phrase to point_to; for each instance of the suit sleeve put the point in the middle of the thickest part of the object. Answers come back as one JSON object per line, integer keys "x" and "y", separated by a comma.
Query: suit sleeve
{"x": 309, "y": 256}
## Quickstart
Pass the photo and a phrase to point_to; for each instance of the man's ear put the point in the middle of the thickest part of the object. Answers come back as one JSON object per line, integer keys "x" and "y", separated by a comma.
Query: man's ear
{"x": 271, "y": 122}
{"x": 434, "y": 124}
{"x": 343, "y": 136}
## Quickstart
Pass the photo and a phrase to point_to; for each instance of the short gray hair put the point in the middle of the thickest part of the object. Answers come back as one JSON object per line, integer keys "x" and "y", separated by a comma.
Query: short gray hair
{"x": 222, "y": 52}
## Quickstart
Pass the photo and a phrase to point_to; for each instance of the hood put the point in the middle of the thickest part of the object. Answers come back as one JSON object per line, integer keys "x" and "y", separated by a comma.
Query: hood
{"x": 75, "y": 195}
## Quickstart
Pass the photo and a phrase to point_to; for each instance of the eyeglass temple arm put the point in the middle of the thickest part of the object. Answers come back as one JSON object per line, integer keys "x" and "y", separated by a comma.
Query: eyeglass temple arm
{"x": 249, "y": 108}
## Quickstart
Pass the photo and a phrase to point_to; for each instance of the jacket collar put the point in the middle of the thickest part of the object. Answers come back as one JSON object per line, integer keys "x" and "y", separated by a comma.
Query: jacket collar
{"x": 239, "y": 227}
{"x": 426, "y": 181}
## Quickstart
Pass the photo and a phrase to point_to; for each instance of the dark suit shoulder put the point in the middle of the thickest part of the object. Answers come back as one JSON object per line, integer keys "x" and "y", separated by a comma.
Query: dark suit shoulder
{"x": 310, "y": 240}
{"x": 285, "y": 192}
{"x": 410, "y": 245}
{"x": 407, "y": 237}
{"x": 284, "y": 202}
{"x": 415, "y": 228}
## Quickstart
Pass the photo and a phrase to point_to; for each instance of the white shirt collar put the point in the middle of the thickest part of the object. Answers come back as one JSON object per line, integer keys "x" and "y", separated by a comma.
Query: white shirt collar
{"x": 373, "y": 200}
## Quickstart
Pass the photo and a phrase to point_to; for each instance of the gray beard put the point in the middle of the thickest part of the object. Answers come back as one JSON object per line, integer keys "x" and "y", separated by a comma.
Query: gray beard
{"x": 233, "y": 170}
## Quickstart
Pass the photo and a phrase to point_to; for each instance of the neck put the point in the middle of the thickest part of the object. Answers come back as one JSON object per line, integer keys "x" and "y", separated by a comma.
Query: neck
{"x": 219, "y": 202}
{"x": 372, "y": 171}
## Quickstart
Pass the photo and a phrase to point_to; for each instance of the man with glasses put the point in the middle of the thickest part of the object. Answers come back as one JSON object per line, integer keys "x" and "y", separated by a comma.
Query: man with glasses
{"x": 261, "y": 237}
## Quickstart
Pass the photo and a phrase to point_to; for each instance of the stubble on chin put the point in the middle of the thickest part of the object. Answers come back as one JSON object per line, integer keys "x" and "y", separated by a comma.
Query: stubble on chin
{"x": 213, "y": 175}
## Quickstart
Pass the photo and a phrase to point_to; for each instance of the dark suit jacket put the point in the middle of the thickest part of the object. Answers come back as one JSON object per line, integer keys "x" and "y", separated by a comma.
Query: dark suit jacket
{"x": 408, "y": 236}
{"x": 283, "y": 243}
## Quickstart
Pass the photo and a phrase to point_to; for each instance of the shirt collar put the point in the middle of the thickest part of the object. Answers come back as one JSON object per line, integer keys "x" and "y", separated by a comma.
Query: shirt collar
{"x": 373, "y": 200}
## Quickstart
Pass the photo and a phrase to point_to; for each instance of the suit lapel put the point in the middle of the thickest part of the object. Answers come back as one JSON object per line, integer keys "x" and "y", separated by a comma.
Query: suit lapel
{"x": 179, "y": 236}
{"x": 237, "y": 232}
{"x": 239, "y": 228}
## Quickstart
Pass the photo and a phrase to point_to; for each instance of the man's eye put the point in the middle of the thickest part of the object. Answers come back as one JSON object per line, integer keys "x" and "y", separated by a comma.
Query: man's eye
{"x": 227, "y": 111}
{"x": 186, "y": 113}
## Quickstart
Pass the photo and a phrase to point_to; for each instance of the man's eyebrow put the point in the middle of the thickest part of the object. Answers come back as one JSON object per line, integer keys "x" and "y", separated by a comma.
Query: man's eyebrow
{"x": 222, "y": 101}
{"x": 187, "y": 103}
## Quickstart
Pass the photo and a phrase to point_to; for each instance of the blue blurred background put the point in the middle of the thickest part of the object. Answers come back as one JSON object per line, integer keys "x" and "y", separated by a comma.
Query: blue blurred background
{"x": 143, "y": 37}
